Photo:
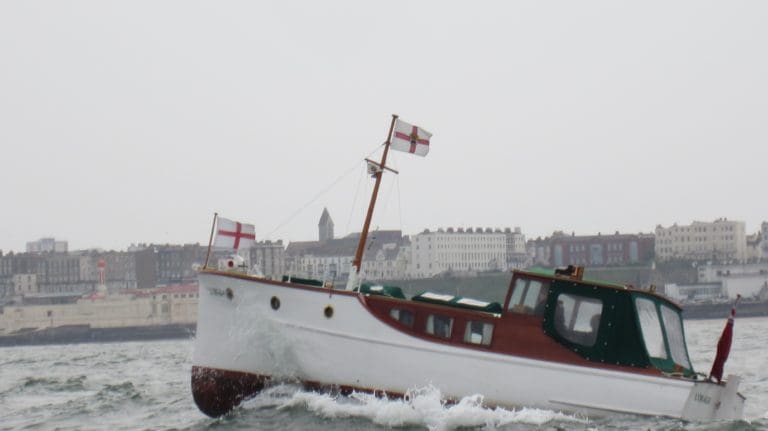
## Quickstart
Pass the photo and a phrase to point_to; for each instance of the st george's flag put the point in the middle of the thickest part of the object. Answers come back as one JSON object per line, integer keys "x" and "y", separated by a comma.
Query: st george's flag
{"x": 234, "y": 235}
{"x": 410, "y": 139}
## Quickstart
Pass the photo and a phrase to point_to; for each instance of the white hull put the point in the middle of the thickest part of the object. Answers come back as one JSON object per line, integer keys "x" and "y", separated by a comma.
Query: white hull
{"x": 355, "y": 349}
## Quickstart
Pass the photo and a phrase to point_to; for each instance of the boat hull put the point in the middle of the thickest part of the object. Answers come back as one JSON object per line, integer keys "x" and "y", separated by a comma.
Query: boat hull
{"x": 217, "y": 392}
{"x": 252, "y": 331}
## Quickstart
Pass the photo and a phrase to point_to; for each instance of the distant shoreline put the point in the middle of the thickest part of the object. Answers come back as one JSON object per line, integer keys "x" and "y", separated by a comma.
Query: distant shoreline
{"x": 74, "y": 334}
{"x": 721, "y": 310}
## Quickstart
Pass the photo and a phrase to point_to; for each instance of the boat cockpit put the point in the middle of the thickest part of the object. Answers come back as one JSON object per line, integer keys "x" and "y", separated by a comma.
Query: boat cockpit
{"x": 603, "y": 322}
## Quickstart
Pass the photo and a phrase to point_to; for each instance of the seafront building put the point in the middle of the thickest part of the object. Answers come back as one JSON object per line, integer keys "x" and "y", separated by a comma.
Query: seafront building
{"x": 747, "y": 280}
{"x": 754, "y": 247}
{"x": 462, "y": 251}
{"x": 591, "y": 250}
{"x": 696, "y": 292}
{"x": 267, "y": 257}
{"x": 47, "y": 245}
{"x": 171, "y": 305}
{"x": 388, "y": 262}
{"x": 389, "y": 255}
{"x": 331, "y": 259}
{"x": 720, "y": 241}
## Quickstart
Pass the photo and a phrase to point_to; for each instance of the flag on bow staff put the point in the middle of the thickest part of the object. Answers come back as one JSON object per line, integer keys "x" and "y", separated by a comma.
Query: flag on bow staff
{"x": 233, "y": 234}
{"x": 409, "y": 138}
{"x": 724, "y": 345}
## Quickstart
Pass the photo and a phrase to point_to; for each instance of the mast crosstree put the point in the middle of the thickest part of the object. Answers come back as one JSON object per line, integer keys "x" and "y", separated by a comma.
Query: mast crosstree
{"x": 378, "y": 173}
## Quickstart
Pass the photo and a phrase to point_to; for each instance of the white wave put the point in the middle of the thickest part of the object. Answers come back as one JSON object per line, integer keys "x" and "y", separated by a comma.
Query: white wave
{"x": 420, "y": 407}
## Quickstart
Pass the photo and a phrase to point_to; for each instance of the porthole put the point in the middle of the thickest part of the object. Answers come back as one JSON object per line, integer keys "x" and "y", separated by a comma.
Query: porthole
{"x": 230, "y": 294}
{"x": 328, "y": 311}
{"x": 274, "y": 302}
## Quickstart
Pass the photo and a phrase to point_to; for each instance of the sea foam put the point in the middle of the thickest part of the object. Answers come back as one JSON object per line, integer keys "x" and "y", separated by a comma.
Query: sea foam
{"x": 420, "y": 407}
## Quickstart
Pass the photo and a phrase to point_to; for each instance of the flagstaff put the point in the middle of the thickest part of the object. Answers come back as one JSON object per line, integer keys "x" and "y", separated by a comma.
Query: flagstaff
{"x": 210, "y": 240}
{"x": 404, "y": 137}
{"x": 357, "y": 262}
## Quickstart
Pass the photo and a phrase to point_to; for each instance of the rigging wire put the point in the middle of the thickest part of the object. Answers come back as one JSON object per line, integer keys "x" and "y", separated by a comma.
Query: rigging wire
{"x": 396, "y": 186}
{"x": 387, "y": 196}
{"x": 399, "y": 202}
{"x": 363, "y": 173}
{"x": 317, "y": 196}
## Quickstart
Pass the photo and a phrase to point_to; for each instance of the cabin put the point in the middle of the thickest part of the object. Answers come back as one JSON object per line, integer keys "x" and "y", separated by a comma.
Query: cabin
{"x": 549, "y": 315}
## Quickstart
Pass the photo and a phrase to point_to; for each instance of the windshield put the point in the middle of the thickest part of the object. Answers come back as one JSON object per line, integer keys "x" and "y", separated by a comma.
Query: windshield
{"x": 675, "y": 336}
{"x": 651, "y": 328}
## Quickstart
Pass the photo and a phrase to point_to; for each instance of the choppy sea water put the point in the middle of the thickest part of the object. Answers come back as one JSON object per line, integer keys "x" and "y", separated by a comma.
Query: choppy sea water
{"x": 145, "y": 386}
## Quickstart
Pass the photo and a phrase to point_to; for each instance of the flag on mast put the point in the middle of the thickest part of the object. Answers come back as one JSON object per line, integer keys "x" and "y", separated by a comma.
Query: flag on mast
{"x": 233, "y": 234}
{"x": 410, "y": 139}
{"x": 724, "y": 345}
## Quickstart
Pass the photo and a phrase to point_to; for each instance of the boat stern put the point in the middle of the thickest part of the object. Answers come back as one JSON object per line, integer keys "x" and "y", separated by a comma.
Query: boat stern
{"x": 709, "y": 401}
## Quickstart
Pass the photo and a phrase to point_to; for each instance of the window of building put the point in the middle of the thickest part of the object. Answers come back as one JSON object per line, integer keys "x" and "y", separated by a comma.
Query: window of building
{"x": 478, "y": 333}
{"x": 405, "y": 317}
{"x": 439, "y": 326}
{"x": 577, "y": 318}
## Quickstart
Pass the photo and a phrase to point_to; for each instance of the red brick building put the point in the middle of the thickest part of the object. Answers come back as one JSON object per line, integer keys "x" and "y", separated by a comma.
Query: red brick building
{"x": 592, "y": 250}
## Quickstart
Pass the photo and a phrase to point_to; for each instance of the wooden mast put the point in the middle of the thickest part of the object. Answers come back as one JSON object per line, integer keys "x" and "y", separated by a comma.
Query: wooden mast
{"x": 357, "y": 263}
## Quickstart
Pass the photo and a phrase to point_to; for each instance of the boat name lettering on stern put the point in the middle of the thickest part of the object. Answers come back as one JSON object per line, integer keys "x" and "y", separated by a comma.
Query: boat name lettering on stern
{"x": 702, "y": 398}
{"x": 216, "y": 291}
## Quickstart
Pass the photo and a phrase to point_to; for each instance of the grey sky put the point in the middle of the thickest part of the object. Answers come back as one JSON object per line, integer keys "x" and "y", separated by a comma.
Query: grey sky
{"x": 134, "y": 121}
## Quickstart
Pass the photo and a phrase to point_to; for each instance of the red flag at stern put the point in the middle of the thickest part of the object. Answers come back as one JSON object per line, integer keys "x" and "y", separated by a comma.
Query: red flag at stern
{"x": 724, "y": 345}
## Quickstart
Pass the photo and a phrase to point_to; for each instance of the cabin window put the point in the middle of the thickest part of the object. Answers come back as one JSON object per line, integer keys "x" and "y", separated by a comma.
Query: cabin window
{"x": 651, "y": 328}
{"x": 439, "y": 326}
{"x": 675, "y": 336}
{"x": 517, "y": 294}
{"x": 478, "y": 333}
{"x": 405, "y": 317}
{"x": 529, "y": 296}
{"x": 577, "y": 318}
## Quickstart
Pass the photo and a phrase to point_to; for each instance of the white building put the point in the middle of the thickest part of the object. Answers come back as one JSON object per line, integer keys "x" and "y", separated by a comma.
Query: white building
{"x": 720, "y": 241}
{"x": 331, "y": 260}
{"x": 746, "y": 280}
{"x": 390, "y": 262}
{"x": 44, "y": 245}
{"x": 686, "y": 293}
{"x": 24, "y": 284}
{"x": 171, "y": 305}
{"x": 268, "y": 257}
{"x": 754, "y": 247}
{"x": 517, "y": 255}
{"x": 764, "y": 240}
{"x": 458, "y": 251}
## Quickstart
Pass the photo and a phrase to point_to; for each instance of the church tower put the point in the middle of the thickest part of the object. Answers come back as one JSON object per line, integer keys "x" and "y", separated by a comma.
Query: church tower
{"x": 325, "y": 227}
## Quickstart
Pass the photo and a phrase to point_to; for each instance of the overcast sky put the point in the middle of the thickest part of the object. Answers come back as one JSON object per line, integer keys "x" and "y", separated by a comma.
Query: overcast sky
{"x": 126, "y": 122}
